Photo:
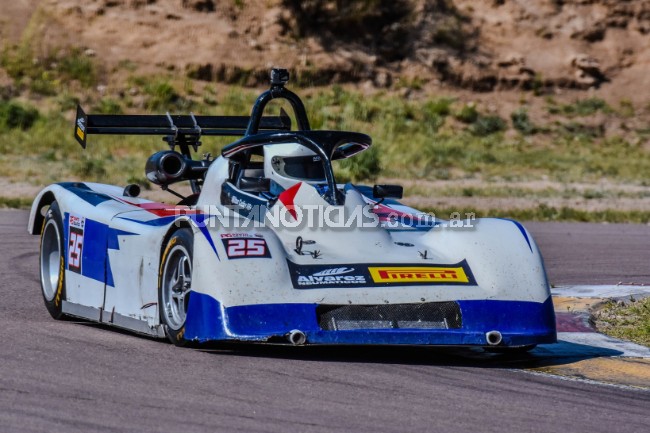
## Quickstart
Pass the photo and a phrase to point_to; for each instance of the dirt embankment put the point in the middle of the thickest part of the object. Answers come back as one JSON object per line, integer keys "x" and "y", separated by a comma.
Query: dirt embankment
{"x": 539, "y": 45}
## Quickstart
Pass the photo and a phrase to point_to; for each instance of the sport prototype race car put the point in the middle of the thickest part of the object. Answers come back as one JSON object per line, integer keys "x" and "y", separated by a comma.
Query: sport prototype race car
{"x": 269, "y": 248}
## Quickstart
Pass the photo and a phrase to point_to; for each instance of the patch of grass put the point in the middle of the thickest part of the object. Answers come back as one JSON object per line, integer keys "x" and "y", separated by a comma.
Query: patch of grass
{"x": 521, "y": 122}
{"x": 15, "y": 203}
{"x": 548, "y": 213}
{"x": 467, "y": 114}
{"x": 500, "y": 191}
{"x": 626, "y": 108}
{"x": 439, "y": 107}
{"x": 582, "y": 107}
{"x": 487, "y": 125}
{"x": 107, "y": 106}
{"x": 67, "y": 101}
{"x": 161, "y": 93}
{"x": 365, "y": 166}
{"x": 14, "y": 115}
{"x": 89, "y": 167}
{"x": 577, "y": 129}
{"x": 75, "y": 65}
{"x": 49, "y": 73}
{"x": 629, "y": 320}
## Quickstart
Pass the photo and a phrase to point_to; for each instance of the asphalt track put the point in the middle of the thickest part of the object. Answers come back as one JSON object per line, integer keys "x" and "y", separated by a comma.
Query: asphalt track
{"x": 75, "y": 376}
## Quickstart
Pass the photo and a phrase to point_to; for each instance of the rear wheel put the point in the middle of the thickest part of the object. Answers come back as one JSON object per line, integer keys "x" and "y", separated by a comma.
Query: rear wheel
{"x": 175, "y": 279}
{"x": 52, "y": 262}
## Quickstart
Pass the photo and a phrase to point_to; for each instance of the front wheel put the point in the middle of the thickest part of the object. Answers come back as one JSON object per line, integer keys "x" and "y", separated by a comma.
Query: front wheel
{"x": 175, "y": 279}
{"x": 52, "y": 262}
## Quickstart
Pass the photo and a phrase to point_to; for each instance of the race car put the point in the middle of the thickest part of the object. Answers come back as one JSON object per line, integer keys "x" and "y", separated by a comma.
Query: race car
{"x": 268, "y": 247}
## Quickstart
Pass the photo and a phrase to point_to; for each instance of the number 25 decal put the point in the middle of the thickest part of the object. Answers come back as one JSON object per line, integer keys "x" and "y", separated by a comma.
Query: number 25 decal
{"x": 239, "y": 248}
{"x": 75, "y": 247}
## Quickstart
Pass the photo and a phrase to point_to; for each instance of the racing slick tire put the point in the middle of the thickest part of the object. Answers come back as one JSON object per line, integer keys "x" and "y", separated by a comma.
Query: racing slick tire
{"x": 175, "y": 277}
{"x": 52, "y": 262}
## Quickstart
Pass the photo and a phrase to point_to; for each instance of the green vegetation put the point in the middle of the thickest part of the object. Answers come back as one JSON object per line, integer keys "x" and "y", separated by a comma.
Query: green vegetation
{"x": 14, "y": 115}
{"x": 521, "y": 122}
{"x": 513, "y": 191}
{"x": 46, "y": 71}
{"x": 582, "y": 107}
{"x": 107, "y": 106}
{"x": 486, "y": 125}
{"x": 46, "y": 74}
{"x": 544, "y": 212}
{"x": 365, "y": 166}
{"x": 426, "y": 138}
{"x": 467, "y": 114}
{"x": 15, "y": 203}
{"x": 629, "y": 320}
{"x": 432, "y": 138}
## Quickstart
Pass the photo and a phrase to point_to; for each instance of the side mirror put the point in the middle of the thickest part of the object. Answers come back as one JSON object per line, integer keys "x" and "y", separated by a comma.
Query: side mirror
{"x": 387, "y": 191}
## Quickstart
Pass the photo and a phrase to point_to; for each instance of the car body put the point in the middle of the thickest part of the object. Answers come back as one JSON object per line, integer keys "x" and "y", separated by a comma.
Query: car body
{"x": 242, "y": 259}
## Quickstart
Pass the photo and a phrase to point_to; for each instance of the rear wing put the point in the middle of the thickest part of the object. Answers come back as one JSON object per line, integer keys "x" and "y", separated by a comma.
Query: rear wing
{"x": 188, "y": 128}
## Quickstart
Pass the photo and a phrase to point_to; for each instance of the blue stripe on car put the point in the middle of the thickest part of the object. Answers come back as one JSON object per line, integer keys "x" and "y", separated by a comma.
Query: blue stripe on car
{"x": 84, "y": 192}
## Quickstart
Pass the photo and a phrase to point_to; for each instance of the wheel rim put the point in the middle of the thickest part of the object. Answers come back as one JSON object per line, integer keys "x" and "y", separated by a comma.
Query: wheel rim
{"x": 176, "y": 282}
{"x": 50, "y": 259}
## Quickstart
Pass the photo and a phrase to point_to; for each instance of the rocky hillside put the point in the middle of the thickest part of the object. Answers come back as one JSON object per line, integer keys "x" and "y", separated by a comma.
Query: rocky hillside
{"x": 493, "y": 45}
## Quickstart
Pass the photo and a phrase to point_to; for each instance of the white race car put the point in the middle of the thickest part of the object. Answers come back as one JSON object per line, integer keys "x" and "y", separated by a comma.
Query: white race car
{"x": 269, "y": 248}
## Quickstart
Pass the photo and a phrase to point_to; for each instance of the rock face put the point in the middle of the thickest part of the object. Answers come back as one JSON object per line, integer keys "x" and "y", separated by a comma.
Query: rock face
{"x": 482, "y": 46}
{"x": 199, "y": 5}
{"x": 587, "y": 71}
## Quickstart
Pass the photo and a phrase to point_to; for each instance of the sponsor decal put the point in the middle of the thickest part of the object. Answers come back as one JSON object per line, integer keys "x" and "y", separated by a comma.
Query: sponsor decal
{"x": 81, "y": 128}
{"x": 240, "y": 202}
{"x": 333, "y": 271}
{"x": 320, "y": 276}
{"x": 75, "y": 242}
{"x": 241, "y": 235}
{"x": 245, "y": 247}
{"x": 418, "y": 274}
{"x": 331, "y": 276}
{"x": 306, "y": 276}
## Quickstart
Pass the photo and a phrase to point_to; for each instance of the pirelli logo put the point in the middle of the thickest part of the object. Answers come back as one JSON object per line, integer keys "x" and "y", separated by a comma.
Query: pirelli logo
{"x": 420, "y": 274}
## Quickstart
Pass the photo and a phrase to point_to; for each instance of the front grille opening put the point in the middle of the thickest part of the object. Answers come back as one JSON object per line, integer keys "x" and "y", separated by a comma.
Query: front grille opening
{"x": 430, "y": 315}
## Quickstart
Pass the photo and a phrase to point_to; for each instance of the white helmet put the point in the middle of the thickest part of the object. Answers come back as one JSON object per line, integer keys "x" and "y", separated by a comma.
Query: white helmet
{"x": 289, "y": 163}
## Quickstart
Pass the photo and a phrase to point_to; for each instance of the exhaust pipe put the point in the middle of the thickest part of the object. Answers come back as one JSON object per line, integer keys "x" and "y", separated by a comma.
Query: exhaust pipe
{"x": 167, "y": 167}
{"x": 297, "y": 337}
{"x": 493, "y": 338}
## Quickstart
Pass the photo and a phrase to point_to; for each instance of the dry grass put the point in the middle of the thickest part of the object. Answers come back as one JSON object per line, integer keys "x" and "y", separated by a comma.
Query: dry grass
{"x": 629, "y": 320}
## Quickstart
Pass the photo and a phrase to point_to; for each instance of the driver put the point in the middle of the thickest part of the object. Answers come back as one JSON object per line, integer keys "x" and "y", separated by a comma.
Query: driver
{"x": 287, "y": 164}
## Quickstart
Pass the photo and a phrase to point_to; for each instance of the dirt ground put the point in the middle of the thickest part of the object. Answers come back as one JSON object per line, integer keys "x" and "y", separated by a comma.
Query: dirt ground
{"x": 597, "y": 46}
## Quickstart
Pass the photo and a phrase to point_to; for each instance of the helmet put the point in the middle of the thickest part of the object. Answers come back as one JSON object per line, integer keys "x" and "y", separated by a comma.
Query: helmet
{"x": 289, "y": 163}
